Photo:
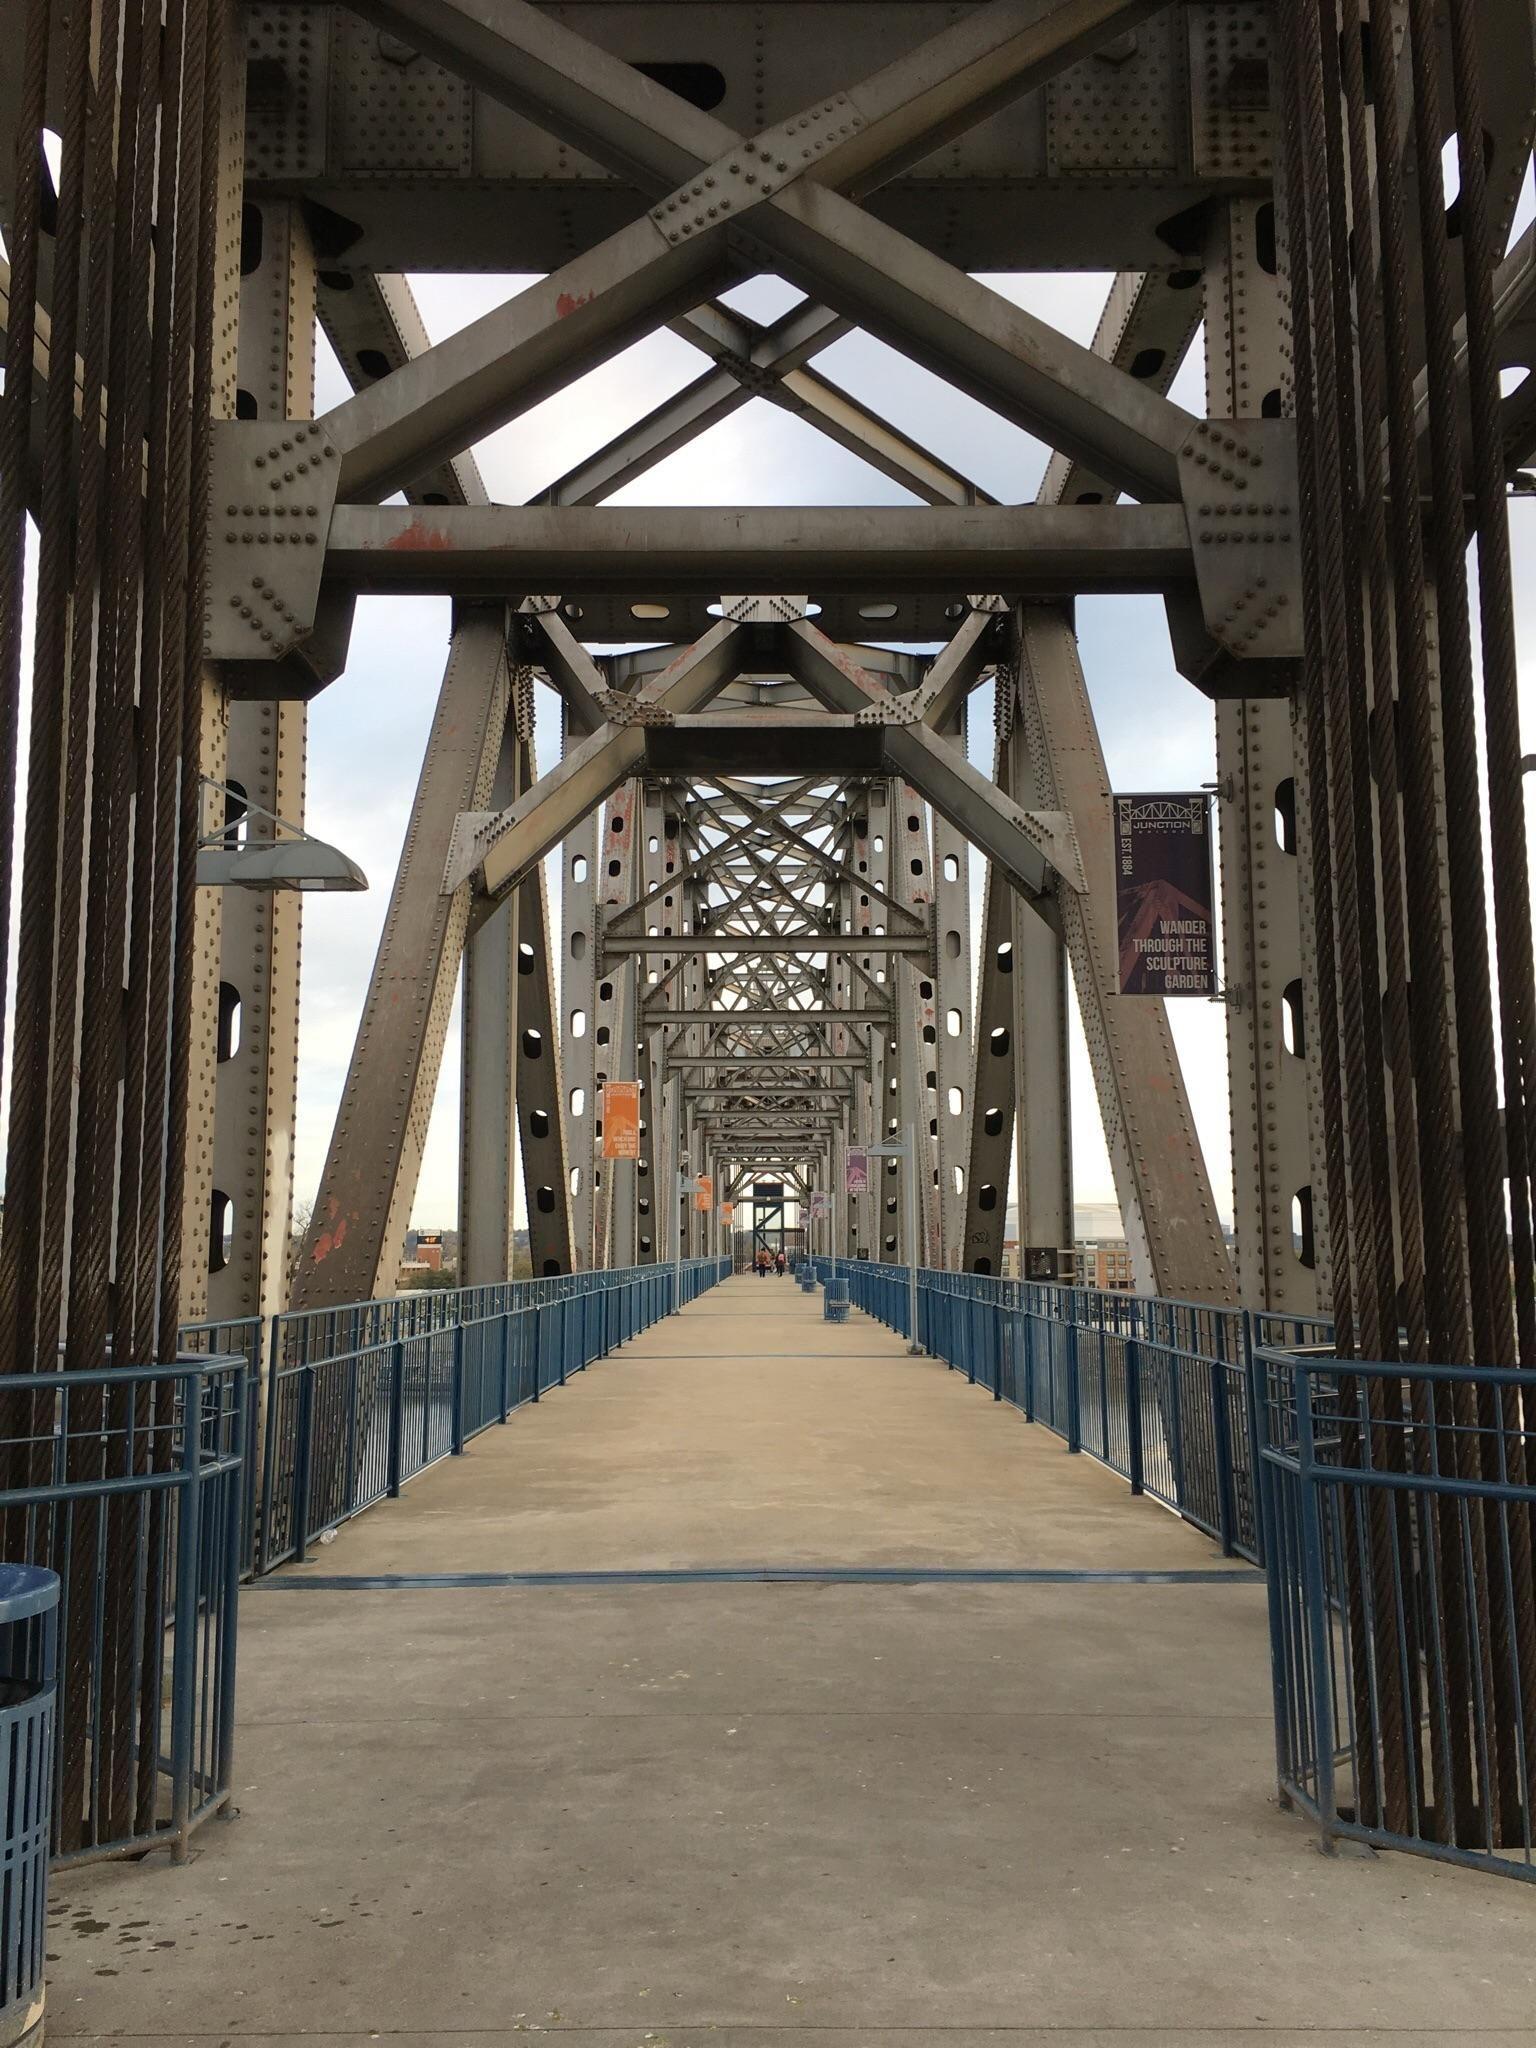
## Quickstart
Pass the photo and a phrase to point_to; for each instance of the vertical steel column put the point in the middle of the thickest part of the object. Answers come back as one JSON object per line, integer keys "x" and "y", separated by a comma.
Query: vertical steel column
{"x": 1165, "y": 1194}
{"x": 541, "y": 1089}
{"x": 954, "y": 985}
{"x": 490, "y": 1049}
{"x": 195, "y": 1136}
{"x": 255, "y": 1100}
{"x": 358, "y": 1230}
{"x": 916, "y": 1010}
{"x": 1040, "y": 1037}
{"x": 578, "y": 979}
{"x": 1277, "y": 1146}
{"x": 894, "y": 1076}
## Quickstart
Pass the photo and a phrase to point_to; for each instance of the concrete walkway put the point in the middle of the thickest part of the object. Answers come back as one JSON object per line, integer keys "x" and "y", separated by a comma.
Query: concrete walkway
{"x": 772, "y": 1813}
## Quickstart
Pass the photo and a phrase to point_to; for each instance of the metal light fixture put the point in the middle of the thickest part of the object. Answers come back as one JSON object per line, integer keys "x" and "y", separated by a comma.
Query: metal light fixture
{"x": 286, "y": 856}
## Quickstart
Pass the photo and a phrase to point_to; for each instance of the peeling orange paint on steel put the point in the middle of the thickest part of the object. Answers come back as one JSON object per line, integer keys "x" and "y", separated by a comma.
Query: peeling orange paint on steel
{"x": 420, "y": 537}
{"x": 568, "y": 302}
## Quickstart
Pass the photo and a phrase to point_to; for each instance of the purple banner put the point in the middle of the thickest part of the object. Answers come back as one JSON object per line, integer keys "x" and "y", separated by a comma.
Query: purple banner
{"x": 1165, "y": 895}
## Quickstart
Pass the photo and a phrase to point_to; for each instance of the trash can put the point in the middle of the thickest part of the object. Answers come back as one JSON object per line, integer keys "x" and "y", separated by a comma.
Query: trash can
{"x": 834, "y": 1307}
{"x": 29, "y": 1635}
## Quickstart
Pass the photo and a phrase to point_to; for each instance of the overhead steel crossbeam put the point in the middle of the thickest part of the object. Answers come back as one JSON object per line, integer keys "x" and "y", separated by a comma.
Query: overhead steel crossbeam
{"x": 783, "y": 184}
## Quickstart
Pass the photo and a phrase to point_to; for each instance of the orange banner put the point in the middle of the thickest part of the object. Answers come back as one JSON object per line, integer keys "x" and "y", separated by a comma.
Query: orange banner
{"x": 621, "y": 1119}
{"x": 727, "y": 1211}
{"x": 704, "y": 1193}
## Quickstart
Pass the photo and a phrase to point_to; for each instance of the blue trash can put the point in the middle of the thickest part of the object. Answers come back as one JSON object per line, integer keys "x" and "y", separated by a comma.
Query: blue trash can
{"x": 834, "y": 1307}
{"x": 29, "y": 1643}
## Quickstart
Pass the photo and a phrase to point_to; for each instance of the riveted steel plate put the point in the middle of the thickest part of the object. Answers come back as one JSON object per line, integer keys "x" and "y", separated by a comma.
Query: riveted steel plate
{"x": 1121, "y": 110}
{"x": 1231, "y": 128}
{"x": 1240, "y": 496}
{"x": 393, "y": 112}
{"x": 286, "y": 81}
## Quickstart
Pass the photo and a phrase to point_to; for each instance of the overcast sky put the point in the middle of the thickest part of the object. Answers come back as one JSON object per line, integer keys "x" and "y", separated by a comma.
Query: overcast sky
{"x": 367, "y": 731}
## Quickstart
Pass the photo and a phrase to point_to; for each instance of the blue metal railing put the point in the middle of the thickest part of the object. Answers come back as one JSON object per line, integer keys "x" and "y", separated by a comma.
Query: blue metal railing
{"x": 1400, "y": 1519}
{"x": 359, "y": 1399}
{"x": 129, "y": 1484}
{"x": 1159, "y": 1391}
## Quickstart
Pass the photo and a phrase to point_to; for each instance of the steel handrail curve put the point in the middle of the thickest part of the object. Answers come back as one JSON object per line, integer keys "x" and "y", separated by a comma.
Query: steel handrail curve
{"x": 1403, "y": 1702}
{"x": 167, "y": 1473}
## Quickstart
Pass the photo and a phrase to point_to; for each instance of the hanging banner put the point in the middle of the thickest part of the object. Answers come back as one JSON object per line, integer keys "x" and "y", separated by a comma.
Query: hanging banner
{"x": 858, "y": 1172}
{"x": 821, "y": 1203}
{"x": 704, "y": 1193}
{"x": 727, "y": 1213}
{"x": 621, "y": 1119}
{"x": 1165, "y": 895}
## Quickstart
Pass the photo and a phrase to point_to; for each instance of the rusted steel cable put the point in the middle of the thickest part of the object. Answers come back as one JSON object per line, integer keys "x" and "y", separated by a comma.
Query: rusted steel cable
{"x": 132, "y": 267}
{"x": 1383, "y": 747}
{"x": 86, "y": 668}
{"x": 15, "y": 437}
{"x": 1371, "y": 370}
{"x": 29, "y": 1134}
{"x": 1492, "y": 1320}
{"x": 1446, "y": 1297}
{"x": 178, "y": 220}
{"x": 1511, "y": 880}
{"x": 1335, "y": 434}
{"x": 213, "y": 18}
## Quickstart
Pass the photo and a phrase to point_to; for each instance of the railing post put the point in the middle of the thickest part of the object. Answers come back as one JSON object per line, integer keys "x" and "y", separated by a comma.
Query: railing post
{"x": 1074, "y": 1392}
{"x": 1133, "y": 1412}
{"x": 185, "y": 1661}
{"x": 351, "y": 1467}
{"x": 1318, "y": 1619}
{"x": 1255, "y": 1452}
{"x": 999, "y": 1342}
{"x": 1175, "y": 1425}
{"x": 269, "y": 1446}
{"x": 457, "y": 1437}
{"x": 396, "y": 1414}
{"x": 302, "y": 1462}
{"x": 1029, "y": 1362}
{"x": 1222, "y": 1438}
{"x": 505, "y": 1369}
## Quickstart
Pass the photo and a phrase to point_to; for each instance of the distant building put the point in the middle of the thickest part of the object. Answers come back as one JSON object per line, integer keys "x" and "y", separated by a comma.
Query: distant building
{"x": 1104, "y": 1263}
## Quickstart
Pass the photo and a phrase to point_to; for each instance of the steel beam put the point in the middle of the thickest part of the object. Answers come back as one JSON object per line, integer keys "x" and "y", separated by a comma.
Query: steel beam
{"x": 1031, "y": 846}
{"x": 1165, "y": 1192}
{"x": 364, "y": 1205}
{"x": 1149, "y": 321}
{"x": 374, "y": 326}
{"x": 490, "y": 1029}
{"x": 718, "y": 940}
{"x": 549, "y": 1169}
{"x": 881, "y": 551}
{"x": 256, "y": 1099}
{"x": 992, "y": 1080}
{"x": 502, "y": 850}
{"x": 436, "y": 405}
{"x": 1277, "y": 1140}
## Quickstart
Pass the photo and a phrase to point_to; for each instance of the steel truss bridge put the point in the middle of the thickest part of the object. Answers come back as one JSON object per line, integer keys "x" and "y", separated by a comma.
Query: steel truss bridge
{"x": 765, "y": 816}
